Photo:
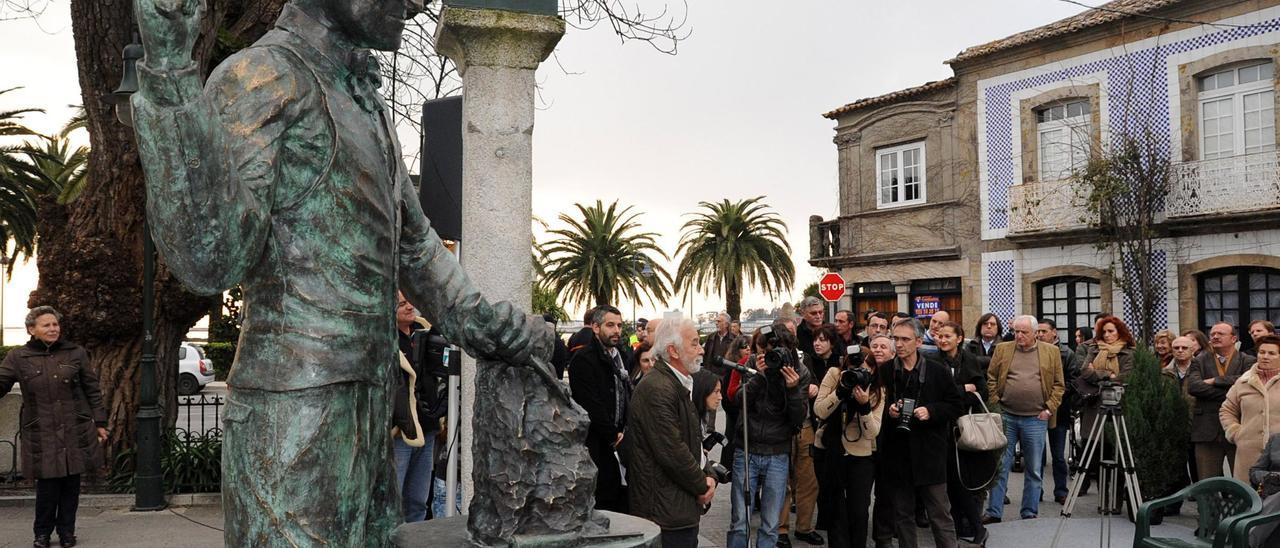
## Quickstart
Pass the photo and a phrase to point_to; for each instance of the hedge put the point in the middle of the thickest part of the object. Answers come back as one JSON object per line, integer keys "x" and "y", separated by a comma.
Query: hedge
{"x": 222, "y": 354}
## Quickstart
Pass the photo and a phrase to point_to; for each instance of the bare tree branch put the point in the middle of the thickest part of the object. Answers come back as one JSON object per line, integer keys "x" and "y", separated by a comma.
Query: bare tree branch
{"x": 417, "y": 73}
{"x": 11, "y": 10}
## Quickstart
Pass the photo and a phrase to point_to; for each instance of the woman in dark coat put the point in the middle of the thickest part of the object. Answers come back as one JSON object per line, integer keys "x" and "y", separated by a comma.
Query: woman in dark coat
{"x": 63, "y": 421}
{"x": 966, "y": 471}
{"x": 985, "y": 337}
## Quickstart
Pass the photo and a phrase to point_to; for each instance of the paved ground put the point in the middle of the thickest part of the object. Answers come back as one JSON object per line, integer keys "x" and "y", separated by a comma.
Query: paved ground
{"x": 102, "y": 523}
{"x": 196, "y": 526}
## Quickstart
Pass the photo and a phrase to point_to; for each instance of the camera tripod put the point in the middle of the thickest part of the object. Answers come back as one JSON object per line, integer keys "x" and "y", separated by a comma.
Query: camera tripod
{"x": 1121, "y": 461}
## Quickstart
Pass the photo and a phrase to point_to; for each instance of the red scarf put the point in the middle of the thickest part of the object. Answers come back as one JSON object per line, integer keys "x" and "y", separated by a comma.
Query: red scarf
{"x": 1265, "y": 375}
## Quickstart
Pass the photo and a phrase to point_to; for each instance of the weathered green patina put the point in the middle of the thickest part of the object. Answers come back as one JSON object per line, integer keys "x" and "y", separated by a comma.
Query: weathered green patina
{"x": 282, "y": 173}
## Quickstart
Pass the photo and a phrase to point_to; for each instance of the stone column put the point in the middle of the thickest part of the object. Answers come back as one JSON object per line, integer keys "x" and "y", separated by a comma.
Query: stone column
{"x": 496, "y": 52}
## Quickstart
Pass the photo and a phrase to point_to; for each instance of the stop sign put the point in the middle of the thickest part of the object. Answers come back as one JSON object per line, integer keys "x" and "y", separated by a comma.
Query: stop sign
{"x": 831, "y": 287}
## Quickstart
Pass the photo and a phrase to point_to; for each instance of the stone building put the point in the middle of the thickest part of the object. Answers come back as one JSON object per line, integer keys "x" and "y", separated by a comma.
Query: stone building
{"x": 1031, "y": 110}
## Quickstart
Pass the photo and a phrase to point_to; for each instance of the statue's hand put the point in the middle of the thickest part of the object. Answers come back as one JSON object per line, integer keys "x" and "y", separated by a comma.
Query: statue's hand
{"x": 169, "y": 29}
{"x": 517, "y": 336}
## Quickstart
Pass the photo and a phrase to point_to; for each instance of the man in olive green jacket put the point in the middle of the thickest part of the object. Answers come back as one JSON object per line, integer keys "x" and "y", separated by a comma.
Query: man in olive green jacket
{"x": 663, "y": 440}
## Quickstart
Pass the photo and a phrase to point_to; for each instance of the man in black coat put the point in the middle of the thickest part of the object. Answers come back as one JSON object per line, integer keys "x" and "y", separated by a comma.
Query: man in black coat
{"x": 599, "y": 383}
{"x": 910, "y": 460}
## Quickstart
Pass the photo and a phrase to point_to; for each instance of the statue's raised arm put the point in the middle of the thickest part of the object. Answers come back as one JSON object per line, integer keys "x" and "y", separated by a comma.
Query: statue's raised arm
{"x": 208, "y": 157}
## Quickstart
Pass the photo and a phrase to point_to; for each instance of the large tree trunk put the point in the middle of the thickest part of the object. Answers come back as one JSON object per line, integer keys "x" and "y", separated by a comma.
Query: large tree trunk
{"x": 90, "y": 254}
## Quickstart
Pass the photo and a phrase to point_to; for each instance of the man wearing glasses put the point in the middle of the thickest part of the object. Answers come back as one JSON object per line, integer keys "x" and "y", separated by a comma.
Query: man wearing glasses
{"x": 1184, "y": 349}
{"x": 923, "y": 402}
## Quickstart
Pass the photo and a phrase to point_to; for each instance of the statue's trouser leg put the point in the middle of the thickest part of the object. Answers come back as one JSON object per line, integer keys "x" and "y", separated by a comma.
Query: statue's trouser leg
{"x": 308, "y": 467}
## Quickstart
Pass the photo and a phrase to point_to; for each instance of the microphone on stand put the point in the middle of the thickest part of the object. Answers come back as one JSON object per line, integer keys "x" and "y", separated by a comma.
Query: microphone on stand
{"x": 739, "y": 368}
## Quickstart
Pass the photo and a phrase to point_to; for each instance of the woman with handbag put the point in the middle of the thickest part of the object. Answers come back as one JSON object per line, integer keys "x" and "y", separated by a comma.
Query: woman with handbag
{"x": 968, "y": 471}
{"x": 63, "y": 421}
{"x": 851, "y": 402}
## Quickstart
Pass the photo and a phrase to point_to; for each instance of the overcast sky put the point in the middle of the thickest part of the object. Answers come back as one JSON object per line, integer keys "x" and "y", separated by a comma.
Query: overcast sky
{"x": 736, "y": 114}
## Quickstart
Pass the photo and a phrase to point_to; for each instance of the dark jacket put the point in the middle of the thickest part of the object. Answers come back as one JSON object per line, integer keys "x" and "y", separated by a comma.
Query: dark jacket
{"x": 1205, "y": 426}
{"x": 775, "y": 412}
{"x": 916, "y": 458}
{"x": 592, "y": 377}
{"x": 664, "y": 451}
{"x": 804, "y": 341}
{"x": 964, "y": 370}
{"x": 581, "y": 339}
{"x": 61, "y": 408}
{"x": 426, "y": 395}
{"x": 974, "y": 346}
{"x": 560, "y": 357}
{"x": 593, "y": 382}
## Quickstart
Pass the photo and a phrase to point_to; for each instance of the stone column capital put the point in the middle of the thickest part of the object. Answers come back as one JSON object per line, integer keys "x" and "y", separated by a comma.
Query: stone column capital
{"x": 496, "y": 38}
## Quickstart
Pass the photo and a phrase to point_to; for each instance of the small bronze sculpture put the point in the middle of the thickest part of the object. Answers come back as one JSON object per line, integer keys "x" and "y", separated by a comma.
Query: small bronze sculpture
{"x": 283, "y": 173}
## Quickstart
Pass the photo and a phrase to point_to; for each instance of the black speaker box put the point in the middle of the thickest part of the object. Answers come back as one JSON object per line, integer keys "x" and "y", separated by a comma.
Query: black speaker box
{"x": 441, "y": 189}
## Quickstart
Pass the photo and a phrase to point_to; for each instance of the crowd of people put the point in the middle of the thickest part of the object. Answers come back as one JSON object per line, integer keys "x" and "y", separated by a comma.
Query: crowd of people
{"x": 832, "y": 434}
{"x": 832, "y": 430}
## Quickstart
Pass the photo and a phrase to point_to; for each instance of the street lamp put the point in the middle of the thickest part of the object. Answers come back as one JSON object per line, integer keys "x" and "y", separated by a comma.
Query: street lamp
{"x": 148, "y": 480}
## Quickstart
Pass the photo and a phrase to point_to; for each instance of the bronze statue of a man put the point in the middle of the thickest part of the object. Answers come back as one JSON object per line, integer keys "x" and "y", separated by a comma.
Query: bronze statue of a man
{"x": 282, "y": 173}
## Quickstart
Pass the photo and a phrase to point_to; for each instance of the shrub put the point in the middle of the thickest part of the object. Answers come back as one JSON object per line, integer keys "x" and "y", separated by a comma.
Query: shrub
{"x": 222, "y": 354}
{"x": 4, "y": 351}
{"x": 1159, "y": 425}
{"x": 190, "y": 464}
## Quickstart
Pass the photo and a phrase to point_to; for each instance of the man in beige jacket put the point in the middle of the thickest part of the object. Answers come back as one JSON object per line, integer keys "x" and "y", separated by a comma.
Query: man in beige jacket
{"x": 1025, "y": 378}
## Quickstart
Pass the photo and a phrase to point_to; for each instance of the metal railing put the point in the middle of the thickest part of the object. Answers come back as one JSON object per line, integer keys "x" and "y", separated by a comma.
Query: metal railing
{"x": 1046, "y": 206}
{"x": 1236, "y": 184}
{"x": 192, "y": 460}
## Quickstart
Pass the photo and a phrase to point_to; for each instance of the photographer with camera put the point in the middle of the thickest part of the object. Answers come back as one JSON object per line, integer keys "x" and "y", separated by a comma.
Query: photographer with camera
{"x": 777, "y": 401}
{"x": 923, "y": 403}
{"x": 851, "y": 404}
{"x": 415, "y": 415}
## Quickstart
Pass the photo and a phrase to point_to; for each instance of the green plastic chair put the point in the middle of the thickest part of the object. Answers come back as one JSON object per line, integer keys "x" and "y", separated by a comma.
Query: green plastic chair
{"x": 1222, "y": 502}
{"x": 1240, "y": 531}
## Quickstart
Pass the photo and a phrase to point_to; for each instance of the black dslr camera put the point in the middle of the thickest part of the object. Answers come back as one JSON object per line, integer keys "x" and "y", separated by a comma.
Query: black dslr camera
{"x": 718, "y": 471}
{"x": 778, "y": 355}
{"x": 855, "y": 377}
{"x": 904, "y": 416}
{"x": 433, "y": 355}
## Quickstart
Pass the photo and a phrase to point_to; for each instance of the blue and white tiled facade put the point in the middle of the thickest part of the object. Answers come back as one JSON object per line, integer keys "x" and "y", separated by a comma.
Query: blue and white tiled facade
{"x": 1138, "y": 87}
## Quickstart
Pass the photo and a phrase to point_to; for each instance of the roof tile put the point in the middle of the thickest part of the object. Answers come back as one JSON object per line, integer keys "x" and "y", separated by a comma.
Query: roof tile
{"x": 891, "y": 97}
{"x": 1106, "y": 13}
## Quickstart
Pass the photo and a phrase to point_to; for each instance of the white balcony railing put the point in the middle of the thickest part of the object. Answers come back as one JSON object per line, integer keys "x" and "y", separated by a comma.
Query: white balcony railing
{"x": 1236, "y": 184}
{"x": 1046, "y": 206}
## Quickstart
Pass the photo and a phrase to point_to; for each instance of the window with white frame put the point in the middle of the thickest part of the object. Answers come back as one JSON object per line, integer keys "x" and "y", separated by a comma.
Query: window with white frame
{"x": 1064, "y": 134}
{"x": 1237, "y": 111}
{"x": 900, "y": 175}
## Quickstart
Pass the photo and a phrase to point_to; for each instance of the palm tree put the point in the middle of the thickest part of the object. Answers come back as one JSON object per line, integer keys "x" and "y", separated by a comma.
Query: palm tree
{"x": 727, "y": 242}
{"x": 601, "y": 257}
{"x": 21, "y": 180}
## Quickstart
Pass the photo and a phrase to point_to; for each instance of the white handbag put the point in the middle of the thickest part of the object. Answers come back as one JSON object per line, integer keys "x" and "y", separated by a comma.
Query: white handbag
{"x": 981, "y": 431}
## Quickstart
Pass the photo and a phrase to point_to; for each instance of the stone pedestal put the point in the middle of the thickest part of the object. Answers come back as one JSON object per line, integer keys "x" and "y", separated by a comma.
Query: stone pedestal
{"x": 624, "y": 532}
{"x": 531, "y": 480}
